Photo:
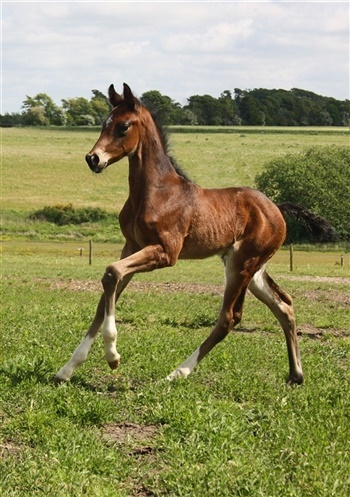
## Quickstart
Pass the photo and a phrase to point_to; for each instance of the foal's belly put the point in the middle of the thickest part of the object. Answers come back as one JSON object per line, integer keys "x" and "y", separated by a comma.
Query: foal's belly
{"x": 200, "y": 249}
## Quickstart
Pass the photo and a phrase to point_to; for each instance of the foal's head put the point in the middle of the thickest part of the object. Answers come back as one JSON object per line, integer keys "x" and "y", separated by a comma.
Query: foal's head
{"x": 120, "y": 133}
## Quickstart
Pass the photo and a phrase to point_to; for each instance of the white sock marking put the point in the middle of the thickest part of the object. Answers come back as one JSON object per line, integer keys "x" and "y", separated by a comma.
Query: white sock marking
{"x": 79, "y": 355}
{"x": 186, "y": 367}
{"x": 109, "y": 333}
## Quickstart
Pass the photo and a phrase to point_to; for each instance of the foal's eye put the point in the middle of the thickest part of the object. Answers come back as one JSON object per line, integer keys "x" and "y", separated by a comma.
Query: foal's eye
{"x": 122, "y": 128}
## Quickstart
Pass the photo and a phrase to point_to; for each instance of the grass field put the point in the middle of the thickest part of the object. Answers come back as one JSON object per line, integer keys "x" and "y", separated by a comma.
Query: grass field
{"x": 232, "y": 428}
{"x": 47, "y": 167}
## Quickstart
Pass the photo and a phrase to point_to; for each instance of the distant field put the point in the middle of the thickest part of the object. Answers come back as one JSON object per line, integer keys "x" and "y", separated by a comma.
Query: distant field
{"x": 47, "y": 167}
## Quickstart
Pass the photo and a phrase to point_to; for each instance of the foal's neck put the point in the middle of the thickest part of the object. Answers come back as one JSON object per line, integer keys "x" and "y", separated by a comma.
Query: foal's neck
{"x": 150, "y": 164}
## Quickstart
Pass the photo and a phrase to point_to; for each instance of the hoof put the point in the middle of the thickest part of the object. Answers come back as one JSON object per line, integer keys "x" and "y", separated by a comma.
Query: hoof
{"x": 295, "y": 380}
{"x": 58, "y": 381}
{"x": 178, "y": 373}
{"x": 114, "y": 364}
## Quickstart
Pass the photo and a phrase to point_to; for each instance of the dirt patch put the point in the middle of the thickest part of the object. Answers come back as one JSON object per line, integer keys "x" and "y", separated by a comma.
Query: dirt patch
{"x": 142, "y": 491}
{"x": 136, "y": 440}
{"x": 195, "y": 288}
{"x": 328, "y": 296}
{"x": 77, "y": 285}
{"x": 318, "y": 279}
{"x": 8, "y": 448}
{"x": 139, "y": 286}
{"x": 131, "y": 435}
{"x": 310, "y": 331}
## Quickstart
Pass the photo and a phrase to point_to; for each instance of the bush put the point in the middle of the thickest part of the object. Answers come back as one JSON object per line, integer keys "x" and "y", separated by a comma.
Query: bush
{"x": 318, "y": 179}
{"x": 67, "y": 214}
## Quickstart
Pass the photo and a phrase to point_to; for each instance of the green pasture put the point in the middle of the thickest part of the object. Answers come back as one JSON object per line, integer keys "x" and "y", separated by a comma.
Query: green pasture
{"x": 233, "y": 428}
{"x": 47, "y": 166}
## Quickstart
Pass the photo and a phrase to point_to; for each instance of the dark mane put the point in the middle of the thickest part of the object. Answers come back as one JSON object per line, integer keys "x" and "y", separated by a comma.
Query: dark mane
{"x": 164, "y": 136}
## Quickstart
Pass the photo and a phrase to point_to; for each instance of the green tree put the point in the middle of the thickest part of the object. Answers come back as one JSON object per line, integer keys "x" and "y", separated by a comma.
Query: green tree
{"x": 318, "y": 179}
{"x": 228, "y": 109}
{"x": 13, "y": 119}
{"x": 79, "y": 112}
{"x": 41, "y": 110}
{"x": 166, "y": 109}
{"x": 250, "y": 111}
{"x": 206, "y": 109}
{"x": 334, "y": 111}
{"x": 100, "y": 106}
{"x": 239, "y": 94}
{"x": 35, "y": 117}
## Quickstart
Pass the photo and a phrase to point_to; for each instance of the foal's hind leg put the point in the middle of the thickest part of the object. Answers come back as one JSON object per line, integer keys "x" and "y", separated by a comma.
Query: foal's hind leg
{"x": 280, "y": 303}
{"x": 230, "y": 315}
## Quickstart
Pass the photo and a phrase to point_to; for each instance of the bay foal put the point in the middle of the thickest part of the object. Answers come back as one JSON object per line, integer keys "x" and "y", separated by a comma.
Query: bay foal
{"x": 167, "y": 217}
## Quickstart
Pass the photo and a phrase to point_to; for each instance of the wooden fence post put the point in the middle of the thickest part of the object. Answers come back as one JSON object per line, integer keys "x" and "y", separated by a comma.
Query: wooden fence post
{"x": 90, "y": 252}
{"x": 291, "y": 257}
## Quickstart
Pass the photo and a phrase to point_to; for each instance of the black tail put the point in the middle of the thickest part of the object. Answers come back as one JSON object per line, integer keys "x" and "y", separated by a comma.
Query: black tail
{"x": 320, "y": 229}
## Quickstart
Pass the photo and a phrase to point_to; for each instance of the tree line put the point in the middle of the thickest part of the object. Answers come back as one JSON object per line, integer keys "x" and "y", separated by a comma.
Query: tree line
{"x": 258, "y": 107}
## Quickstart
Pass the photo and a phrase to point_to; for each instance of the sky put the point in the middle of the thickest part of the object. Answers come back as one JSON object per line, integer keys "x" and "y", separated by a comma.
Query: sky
{"x": 67, "y": 49}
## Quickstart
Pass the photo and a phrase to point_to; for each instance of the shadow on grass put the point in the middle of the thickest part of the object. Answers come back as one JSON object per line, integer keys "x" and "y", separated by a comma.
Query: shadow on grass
{"x": 102, "y": 381}
{"x": 203, "y": 322}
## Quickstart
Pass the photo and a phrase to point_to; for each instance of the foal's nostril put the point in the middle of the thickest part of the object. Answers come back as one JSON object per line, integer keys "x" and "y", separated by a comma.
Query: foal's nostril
{"x": 93, "y": 160}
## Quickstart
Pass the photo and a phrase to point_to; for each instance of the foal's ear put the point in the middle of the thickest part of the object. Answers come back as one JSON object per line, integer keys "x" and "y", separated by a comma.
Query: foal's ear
{"x": 114, "y": 97}
{"x": 129, "y": 97}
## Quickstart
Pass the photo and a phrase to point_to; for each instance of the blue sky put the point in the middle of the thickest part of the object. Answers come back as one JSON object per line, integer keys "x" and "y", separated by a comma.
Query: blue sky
{"x": 66, "y": 49}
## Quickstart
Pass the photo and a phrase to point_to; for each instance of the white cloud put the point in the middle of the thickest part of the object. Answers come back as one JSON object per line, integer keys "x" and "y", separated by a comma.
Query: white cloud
{"x": 217, "y": 38}
{"x": 66, "y": 49}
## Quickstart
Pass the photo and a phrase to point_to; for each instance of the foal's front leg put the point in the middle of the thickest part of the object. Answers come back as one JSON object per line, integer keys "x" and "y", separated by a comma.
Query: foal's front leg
{"x": 81, "y": 352}
{"x": 147, "y": 259}
{"x": 109, "y": 329}
{"x": 115, "y": 279}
